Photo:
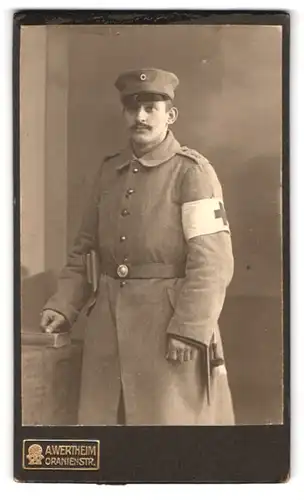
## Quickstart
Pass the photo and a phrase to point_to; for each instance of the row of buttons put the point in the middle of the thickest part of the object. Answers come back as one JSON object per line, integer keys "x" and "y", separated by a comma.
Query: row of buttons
{"x": 124, "y": 213}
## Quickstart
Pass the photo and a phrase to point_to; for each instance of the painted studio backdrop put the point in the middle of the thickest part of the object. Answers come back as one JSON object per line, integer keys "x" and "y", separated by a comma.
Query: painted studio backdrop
{"x": 230, "y": 108}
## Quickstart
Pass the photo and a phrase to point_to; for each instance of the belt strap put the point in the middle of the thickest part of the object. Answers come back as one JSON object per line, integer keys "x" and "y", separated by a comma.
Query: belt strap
{"x": 143, "y": 271}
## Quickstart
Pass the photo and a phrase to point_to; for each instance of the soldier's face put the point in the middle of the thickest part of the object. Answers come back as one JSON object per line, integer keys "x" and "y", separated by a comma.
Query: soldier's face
{"x": 148, "y": 121}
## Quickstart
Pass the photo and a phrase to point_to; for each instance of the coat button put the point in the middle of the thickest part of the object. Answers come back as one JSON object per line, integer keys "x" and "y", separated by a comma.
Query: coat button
{"x": 130, "y": 191}
{"x": 123, "y": 238}
{"x": 122, "y": 284}
{"x": 125, "y": 212}
{"x": 135, "y": 170}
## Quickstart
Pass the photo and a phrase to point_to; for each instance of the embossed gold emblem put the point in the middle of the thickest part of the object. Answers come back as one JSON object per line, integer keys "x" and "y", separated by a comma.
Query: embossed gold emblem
{"x": 34, "y": 455}
{"x": 61, "y": 454}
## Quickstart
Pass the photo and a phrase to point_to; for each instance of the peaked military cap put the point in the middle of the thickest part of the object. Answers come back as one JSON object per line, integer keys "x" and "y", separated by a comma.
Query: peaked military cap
{"x": 149, "y": 80}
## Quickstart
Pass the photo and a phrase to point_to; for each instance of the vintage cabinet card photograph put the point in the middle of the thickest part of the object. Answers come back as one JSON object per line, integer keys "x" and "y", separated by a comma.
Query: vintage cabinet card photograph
{"x": 151, "y": 234}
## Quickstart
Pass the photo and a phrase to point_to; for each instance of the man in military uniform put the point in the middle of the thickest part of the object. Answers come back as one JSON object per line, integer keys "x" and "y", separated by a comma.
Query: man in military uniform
{"x": 157, "y": 222}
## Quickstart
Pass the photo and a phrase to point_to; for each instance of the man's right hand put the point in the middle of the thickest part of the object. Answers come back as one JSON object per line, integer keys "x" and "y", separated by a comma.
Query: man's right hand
{"x": 52, "y": 321}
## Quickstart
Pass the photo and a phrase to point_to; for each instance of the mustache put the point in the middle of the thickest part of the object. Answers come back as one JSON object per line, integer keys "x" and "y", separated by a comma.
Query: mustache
{"x": 140, "y": 126}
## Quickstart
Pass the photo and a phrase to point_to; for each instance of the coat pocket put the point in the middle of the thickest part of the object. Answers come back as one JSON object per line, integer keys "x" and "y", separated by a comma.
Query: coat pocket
{"x": 174, "y": 291}
{"x": 172, "y": 297}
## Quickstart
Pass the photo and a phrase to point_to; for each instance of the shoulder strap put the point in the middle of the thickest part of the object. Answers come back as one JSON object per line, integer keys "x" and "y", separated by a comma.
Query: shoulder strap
{"x": 193, "y": 155}
{"x": 109, "y": 157}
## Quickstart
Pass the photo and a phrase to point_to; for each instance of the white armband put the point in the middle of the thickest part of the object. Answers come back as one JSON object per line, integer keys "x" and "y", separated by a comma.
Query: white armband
{"x": 203, "y": 217}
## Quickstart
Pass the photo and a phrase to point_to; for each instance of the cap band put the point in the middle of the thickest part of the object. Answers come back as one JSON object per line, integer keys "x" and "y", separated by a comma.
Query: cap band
{"x": 143, "y": 97}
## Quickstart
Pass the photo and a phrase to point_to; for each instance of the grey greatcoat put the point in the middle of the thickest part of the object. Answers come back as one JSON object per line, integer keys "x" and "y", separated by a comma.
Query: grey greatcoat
{"x": 178, "y": 287}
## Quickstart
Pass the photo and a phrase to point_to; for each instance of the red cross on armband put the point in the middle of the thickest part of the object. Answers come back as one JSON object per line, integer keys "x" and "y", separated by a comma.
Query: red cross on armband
{"x": 202, "y": 217}
{"x": 221, "y": 214}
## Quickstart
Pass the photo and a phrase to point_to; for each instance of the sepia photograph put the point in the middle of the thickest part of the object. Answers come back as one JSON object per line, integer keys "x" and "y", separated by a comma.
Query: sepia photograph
{"x": 151, "y": 244}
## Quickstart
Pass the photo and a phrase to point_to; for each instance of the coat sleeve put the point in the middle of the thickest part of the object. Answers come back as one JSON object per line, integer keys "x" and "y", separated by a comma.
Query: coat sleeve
{"x": 209, "y": 264}
{"x": 73, "y": 290}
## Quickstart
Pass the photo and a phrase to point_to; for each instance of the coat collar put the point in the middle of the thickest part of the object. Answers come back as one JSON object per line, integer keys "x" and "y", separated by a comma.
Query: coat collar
{"x": 160, "y": 154}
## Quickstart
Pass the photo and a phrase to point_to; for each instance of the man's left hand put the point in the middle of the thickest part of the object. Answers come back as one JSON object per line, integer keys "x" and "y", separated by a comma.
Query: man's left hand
{"x": 178, "y": 350}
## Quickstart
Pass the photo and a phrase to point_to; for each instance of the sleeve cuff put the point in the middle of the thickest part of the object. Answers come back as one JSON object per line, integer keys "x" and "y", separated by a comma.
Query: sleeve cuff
{"x": 190, "y": 332}
{"x": 67, "y": 311}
